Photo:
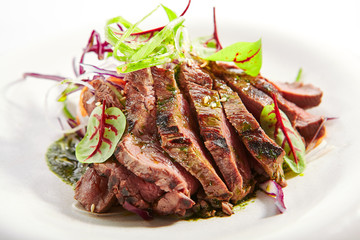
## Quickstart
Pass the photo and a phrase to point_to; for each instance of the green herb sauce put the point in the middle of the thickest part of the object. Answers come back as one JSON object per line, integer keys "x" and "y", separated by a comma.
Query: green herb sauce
{"x": 61, "y": 160}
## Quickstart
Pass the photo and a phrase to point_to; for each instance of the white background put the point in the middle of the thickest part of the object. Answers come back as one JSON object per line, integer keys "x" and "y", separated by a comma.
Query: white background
{"x": 331, "y": 22}
{"x": 28, "y": 28}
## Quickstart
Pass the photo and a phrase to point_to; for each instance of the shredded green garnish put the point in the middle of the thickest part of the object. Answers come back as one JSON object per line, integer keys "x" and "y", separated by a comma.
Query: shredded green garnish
{"x": 298, "y": 77}
{"x": 138, "y": 50}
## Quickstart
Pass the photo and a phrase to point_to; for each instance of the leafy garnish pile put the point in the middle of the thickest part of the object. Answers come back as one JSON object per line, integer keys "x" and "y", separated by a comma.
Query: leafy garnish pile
{"x": 141, "y": 49}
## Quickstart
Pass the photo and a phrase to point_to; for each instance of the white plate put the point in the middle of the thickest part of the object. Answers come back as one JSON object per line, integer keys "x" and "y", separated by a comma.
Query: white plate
{"x": 324, "y": 203}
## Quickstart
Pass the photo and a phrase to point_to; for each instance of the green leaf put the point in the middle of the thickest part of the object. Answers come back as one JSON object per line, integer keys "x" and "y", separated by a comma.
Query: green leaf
{"x": 61, "y": 160}
{"x": 270, "y": 124}
{"x": 104, "y": 131}
{"x": 246, "y": 55}
{"x": 171, "y": 15}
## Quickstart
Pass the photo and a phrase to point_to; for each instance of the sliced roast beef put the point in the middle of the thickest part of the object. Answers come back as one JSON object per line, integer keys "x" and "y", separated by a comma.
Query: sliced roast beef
{"x": 104, "y": 183}
{"x": 303, "y": 95}
{"x": 309, "y": 126}
{"x": 269, "y": 89}
{"x": 148, "y": 161}
{"x": 173, "y": 203}
{"x": 93, "y": 193}
{"x": 140, "y": 104}
{"x": 127, "y": 186}
{"x": 191, "y": 72}
{"x": 215, "y": 130}
{"x": 141, "y": 153}
{"x": 217, "y": 137}
{"x": 235, "y": 109}
{"x": 102, "y": 92}
{"x": 254, "y": 99}
{"x": 105, "y": 92}
{"x": 179, "y": 140}
{"x": 263, "y": 149}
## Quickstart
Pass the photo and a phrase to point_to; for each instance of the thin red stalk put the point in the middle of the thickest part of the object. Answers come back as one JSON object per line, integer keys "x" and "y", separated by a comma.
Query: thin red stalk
{"x": 283, "y": 128}
{"x": 331, "y": 118}
{"x": 120, "y": 27}
{"x": 106, "y": 47}
{"x": 44, "y": 76}
{"x": 99, "y": 48}
{"x": 312, "y": 143}
{"x": 187, "y": 7}
{"x": 216, "y": 37}
{"x": 88, "y": 46}
{"x": 73, "y": 124}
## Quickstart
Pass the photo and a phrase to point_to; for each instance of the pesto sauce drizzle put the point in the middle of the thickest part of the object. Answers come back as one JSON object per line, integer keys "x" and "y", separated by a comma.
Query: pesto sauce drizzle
{"x": 61, "y": 160}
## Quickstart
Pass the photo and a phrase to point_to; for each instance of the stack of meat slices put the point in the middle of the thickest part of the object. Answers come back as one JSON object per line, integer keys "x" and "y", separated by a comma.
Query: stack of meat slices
{"x": 193, "y": 143}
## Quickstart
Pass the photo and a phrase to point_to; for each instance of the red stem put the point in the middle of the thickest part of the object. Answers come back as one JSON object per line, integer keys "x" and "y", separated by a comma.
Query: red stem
{"x": 44, "y": 76}
{"x": 216, "y": 37}
{"x": 187, "y": 7}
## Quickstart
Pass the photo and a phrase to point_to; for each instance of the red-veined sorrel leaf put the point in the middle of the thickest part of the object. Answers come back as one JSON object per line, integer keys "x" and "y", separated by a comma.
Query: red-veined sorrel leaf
{"x": 290, "y": 140}
{"x": 104, "y": 130}
{"x": 246, "y": 55}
